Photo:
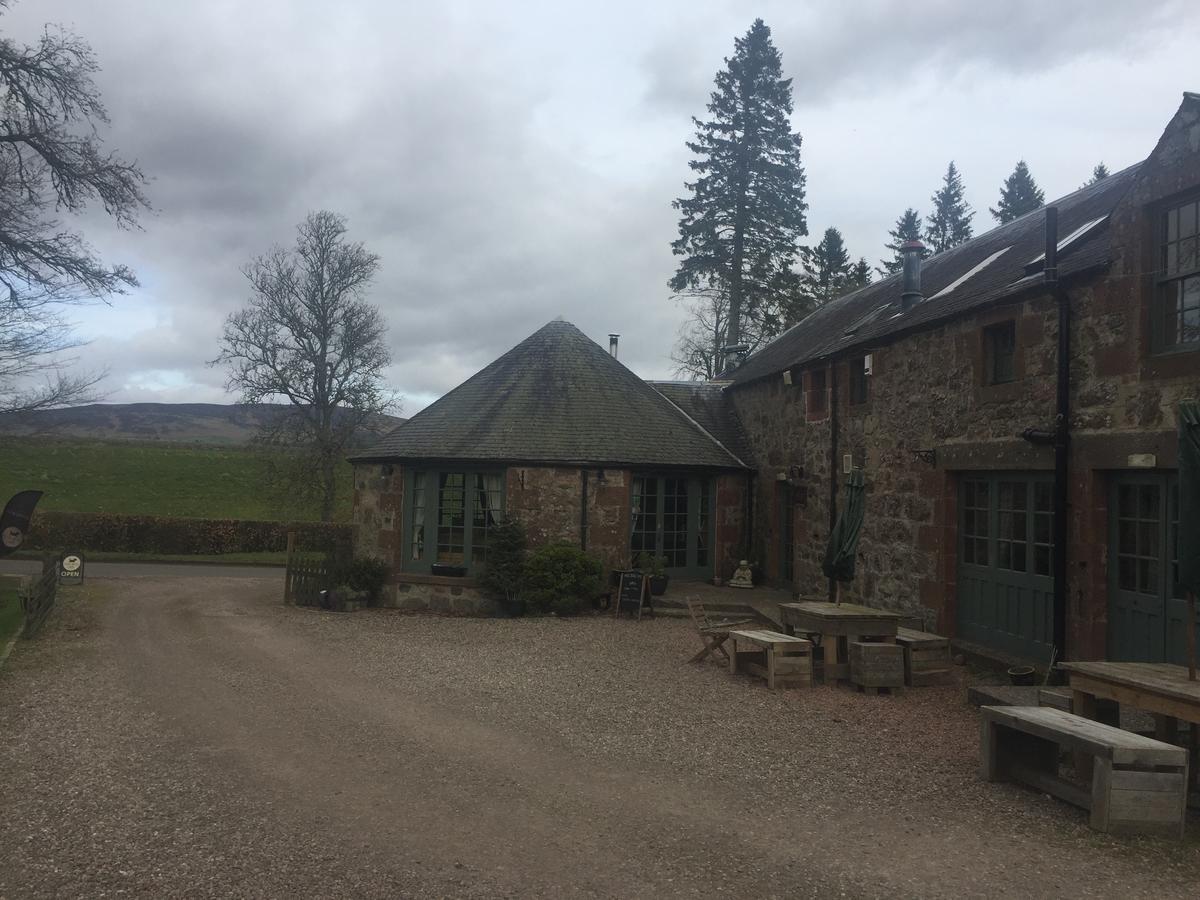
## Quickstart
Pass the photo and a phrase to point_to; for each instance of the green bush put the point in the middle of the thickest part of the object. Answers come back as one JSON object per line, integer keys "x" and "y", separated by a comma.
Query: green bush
{"x": 562, "y": 579}
{"x": 110, "y": 533}
{"x": 365, "y": 574}
{"x": 504, "y": 574}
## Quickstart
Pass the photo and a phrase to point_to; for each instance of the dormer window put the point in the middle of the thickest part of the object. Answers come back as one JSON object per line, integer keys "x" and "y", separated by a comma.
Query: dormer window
{"x": 1177, "y": 301}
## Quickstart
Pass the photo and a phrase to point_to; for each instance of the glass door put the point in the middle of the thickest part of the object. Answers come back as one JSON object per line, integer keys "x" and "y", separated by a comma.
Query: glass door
{"x": 671, "y": 518}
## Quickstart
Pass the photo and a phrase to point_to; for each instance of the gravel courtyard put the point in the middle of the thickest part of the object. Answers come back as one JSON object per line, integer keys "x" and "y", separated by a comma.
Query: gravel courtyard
{"x": 193, "y": 737}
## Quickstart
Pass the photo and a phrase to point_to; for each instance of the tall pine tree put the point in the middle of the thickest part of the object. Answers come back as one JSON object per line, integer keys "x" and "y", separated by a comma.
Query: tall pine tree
{"x": 744, "y": 213}
{"x": 1018, "y": 195}
{"x": 826, "y": 269}
{"x": 860, "y": 274}
{"x": 1098, "y": 174}
{"x": 908, "y": 228}
{"x": 950, "y": 223}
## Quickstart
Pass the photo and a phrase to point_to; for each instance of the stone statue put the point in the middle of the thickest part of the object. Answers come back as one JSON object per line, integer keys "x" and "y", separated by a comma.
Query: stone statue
{"x": 742, "y": 576}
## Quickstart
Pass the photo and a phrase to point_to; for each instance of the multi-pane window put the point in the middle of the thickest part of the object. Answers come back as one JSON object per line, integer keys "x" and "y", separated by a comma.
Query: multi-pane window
{"x": 452, "y": 504}
{"x": 999, "y": 352}
{"x": 976, "y": 521}
{"x": 1012, "y": 535}
{"x": 1138, "y": 530}
{"x": 816, "y": 392}
{"x": 859, "y": 380}
{"x": 1177, "y": 310}
{"x": 1008, "y": 523}
{"x": 456, "y": 511}
{"x": 675, "y": 521}
{"x": 702, "y": 528}
{"x": 417, "y": 505}
{"x": 645, "y": 516}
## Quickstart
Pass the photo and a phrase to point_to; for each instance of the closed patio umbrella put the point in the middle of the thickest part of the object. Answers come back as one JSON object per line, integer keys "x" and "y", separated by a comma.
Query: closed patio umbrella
{"x": 1189, "y": 518}
{"x": 843, "y": 540}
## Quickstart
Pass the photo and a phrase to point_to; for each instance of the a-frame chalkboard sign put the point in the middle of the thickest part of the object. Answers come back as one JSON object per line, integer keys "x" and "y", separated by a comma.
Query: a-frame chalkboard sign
{"x": 633, "y": 594}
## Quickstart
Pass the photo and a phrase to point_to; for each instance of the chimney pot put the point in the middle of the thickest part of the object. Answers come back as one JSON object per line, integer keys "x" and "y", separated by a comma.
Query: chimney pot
{"x": 912, "y": 251}
{"x": 612, "y": 344}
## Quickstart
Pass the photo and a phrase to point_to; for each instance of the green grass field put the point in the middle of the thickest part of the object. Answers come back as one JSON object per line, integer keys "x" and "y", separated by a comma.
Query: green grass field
{"x": 150, "y": 479}
{"x": 10, "y": 609}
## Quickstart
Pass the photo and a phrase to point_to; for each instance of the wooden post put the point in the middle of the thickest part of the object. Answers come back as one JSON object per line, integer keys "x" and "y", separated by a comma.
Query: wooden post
{"x": 287, "y": 572}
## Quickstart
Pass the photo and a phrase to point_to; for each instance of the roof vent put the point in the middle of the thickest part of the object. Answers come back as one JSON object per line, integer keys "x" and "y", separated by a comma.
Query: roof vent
{"x": 912, "y": 252}
{"x": 612, "y": 343}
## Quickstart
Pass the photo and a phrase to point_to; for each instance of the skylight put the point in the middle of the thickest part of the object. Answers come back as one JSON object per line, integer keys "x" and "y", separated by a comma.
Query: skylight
{"x": 1071, "y": 238}
{"x": 975, "y": 270}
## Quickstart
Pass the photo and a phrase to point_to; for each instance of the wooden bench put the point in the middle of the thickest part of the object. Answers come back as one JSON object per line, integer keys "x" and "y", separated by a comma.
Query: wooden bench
{"x": 783, "y": 659}
{"x": 1139, "y": 785}
{"x": 926, "y": 657}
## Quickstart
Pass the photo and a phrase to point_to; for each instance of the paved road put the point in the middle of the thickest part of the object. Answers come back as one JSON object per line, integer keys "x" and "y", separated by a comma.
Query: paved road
{"x": 187, "y": 737}
{"x": 150, "y": 570}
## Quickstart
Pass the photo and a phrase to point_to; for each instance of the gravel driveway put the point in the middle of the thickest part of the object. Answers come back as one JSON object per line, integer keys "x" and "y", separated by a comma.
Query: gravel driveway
{"x": 193, "y": 737}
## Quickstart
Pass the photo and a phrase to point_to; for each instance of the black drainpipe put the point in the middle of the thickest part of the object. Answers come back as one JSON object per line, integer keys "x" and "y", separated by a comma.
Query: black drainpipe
{"x": 1062, "y": 433}
{"x": 583, "y": 498}
{"x": 833, "y": 459}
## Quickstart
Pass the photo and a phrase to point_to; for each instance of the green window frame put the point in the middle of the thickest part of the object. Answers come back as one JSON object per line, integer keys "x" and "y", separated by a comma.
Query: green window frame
{"x": 450, "y": 513}
{"x": 1176, "y": 310}
{"x": 671, "y": 515}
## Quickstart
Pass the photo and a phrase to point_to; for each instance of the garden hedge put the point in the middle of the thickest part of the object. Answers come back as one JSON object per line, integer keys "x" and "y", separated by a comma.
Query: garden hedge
{"x": 109, "y": 533}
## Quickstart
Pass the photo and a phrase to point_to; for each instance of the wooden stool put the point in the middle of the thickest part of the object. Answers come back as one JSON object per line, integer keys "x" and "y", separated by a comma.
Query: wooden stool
{"x": 875, "y": 665}
{"x": 926, "y": 657}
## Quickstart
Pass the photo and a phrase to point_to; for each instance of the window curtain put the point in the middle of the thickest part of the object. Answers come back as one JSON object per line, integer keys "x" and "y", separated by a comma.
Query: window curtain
{"x": 490, "y": 489}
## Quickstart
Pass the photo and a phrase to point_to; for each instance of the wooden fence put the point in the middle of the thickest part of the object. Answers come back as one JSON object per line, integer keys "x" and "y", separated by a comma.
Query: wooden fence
{"x": 37, "y": 597}
{"x": 307, "y": 574}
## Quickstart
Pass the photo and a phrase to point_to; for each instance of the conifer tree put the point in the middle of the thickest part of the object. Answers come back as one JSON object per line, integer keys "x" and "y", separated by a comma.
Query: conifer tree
{"x": 744, "y": 214}
{"x": 908, "y": 228}
{"x": 1098, "y": 173}
{"x": 950, "y": 223}
{"x": 1018, "y": 195}
{"x": 860, "y": 274}
{"x": 826, "y": 269}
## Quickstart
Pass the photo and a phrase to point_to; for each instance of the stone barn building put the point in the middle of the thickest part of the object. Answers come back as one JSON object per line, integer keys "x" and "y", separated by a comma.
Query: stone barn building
{"x": 949, "y": 399}
{"x": 1014, "y": 417}
{"x": 560, "y": 435}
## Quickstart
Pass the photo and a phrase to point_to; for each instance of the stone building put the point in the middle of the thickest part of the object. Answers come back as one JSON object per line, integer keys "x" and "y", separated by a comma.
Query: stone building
{"x": 949, "y": 398}
{"x": 560, "y": 435}
{"x": 979, "y": 394}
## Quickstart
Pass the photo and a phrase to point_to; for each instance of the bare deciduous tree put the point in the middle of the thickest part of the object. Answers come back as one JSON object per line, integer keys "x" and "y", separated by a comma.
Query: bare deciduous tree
{"x": 309, "y": 338}
{"x": 52, "y": 161}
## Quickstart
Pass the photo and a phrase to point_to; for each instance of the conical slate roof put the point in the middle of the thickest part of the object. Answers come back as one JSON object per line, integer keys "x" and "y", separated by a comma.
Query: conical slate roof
{"x": 556, "y": 397}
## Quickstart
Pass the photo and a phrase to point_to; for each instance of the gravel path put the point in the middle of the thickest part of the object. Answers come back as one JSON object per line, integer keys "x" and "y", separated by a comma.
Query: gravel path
{"x": 193, "y": 737}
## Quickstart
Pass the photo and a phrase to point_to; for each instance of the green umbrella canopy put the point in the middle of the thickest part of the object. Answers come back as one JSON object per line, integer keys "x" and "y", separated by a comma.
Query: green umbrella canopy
{"x": 1189, "y": 518}
{"x": 1189, "y": 496}
{"x": 843, "y": 540}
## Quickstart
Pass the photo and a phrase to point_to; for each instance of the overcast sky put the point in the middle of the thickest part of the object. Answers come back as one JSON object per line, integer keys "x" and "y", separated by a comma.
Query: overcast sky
{"x": 513, "y": 162}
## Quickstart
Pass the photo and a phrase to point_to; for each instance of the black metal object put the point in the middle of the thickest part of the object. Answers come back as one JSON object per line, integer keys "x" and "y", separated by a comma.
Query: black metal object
{"x": 911, "y": 295}
{"x": 833, "y": 460}
{"x": 1062, "y": 433}
{"x": 929, "y": 457}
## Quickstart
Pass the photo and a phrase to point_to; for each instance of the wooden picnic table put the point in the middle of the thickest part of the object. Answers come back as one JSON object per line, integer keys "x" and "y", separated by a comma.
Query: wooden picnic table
{"x": 1161, "y": 689}
{"x": 835, "y": 624}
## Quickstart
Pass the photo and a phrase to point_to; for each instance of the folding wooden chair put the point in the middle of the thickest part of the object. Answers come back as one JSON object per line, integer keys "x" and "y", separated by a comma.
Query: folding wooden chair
{"x": 714, "y": 627}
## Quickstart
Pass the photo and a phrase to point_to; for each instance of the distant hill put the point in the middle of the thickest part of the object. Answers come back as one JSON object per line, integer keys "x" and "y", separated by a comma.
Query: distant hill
{"x": 177, "y": 423}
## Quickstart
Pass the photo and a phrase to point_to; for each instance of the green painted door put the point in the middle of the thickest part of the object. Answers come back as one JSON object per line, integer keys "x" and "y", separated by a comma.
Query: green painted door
{"x": 1147, "y": 613}
{"x": 672, "y": 518}
{"x": 1005, "y": 586}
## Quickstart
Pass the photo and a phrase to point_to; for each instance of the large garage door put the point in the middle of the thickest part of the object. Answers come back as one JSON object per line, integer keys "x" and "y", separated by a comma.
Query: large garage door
{"x": 1005, "y": 584}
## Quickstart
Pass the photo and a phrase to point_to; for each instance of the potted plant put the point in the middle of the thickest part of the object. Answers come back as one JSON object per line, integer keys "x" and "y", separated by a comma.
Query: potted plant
{"x": 656, "y": 568}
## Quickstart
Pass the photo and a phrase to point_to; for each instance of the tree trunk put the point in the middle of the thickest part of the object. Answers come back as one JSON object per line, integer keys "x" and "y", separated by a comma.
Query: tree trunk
{"x": 328, "y": 485}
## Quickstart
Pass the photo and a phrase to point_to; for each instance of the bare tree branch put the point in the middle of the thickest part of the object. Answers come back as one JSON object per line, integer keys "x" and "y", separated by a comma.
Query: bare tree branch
{"x": 52, "y": 161}
{"x": 309, "y": 338}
